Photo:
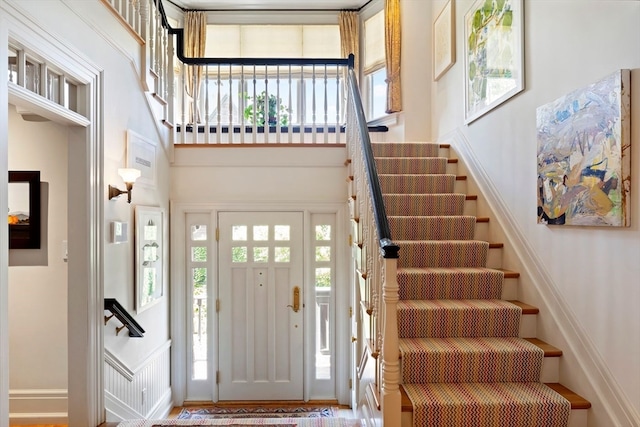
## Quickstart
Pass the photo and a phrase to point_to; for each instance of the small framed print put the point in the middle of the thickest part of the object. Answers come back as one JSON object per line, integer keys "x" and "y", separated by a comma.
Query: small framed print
{"x": 141, "y": 155}
{"x": 149, "y": 256}
{"x": 444, "y": 42}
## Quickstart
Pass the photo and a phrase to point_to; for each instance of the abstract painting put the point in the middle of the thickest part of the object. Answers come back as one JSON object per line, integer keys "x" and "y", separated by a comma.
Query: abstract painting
{"x": 584, "y": 155}
{"x": 493, "y": 55}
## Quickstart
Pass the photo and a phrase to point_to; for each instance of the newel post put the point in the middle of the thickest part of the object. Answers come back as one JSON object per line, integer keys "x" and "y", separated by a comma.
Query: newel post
{"x": 390, "y": 394}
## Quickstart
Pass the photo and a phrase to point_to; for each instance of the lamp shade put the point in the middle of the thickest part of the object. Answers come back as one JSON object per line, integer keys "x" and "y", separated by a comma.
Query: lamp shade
{"x": 129, "y": 174}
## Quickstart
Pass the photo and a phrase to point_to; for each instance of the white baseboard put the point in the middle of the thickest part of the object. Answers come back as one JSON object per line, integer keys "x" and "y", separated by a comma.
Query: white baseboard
{"x": 45, "y": 406}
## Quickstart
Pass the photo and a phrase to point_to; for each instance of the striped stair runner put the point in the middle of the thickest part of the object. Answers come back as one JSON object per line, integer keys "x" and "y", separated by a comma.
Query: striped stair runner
{"x": 463, "y": 363}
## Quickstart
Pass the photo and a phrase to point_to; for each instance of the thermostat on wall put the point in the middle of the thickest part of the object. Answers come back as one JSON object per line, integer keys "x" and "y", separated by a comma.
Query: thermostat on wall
{"x": 119, "y": 232}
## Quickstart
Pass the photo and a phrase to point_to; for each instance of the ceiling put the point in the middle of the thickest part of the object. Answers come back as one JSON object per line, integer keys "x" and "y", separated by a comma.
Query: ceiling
{"x": 269, "y": 4}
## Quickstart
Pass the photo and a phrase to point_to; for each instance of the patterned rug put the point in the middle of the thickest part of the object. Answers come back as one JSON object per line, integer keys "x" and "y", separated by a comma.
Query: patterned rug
{"x": 234, "y": 422}
{"x": 256, "y": 412}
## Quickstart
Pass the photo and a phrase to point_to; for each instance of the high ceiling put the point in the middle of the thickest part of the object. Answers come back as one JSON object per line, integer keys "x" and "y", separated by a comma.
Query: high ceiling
{"x": 269, "y": 4}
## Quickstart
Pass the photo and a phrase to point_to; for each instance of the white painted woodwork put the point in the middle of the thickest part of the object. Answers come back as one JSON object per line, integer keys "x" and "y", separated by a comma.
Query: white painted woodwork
{"x": 261, "y": 337}
{"x": 138, "y": 391}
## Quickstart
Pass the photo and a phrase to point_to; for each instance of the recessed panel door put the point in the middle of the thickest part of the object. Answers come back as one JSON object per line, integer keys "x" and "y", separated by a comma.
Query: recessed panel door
{"x": 260, "y": 306}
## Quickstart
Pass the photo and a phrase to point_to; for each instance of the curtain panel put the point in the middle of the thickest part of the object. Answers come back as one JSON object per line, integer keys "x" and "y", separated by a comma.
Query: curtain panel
{"x": 195, "y": 27}
{"x": 393, "y": 44}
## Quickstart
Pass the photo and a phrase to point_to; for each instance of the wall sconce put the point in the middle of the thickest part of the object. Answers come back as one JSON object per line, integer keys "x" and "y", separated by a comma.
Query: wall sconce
{"x": 129, "y": 176}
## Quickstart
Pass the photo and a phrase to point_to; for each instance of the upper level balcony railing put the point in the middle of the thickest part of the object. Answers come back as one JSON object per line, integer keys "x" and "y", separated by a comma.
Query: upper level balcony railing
{"x": 257, "y": 100}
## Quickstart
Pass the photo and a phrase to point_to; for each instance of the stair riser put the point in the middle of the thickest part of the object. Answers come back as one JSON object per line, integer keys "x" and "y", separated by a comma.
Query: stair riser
{"x": 443, "y": 254}
{"x": 510, "y": 289}
{"x": 482, "y": 231}
{"x": 550, "y": 372}
{"x": 528, "y": 326}
{"x": 424, "y": 204}
{"x": 411, "y": 165}
{"x": 460, "y": 186}
{"x": 433, "y": 228}
{"x": 390, "y": 149}
{"x": 460, "y": 368}
{"x": 578, "y": 418}
{"x": 435, "y": 285}
{"x": 416, "y": 323}
{"x": 494, "y": 258}
{"x": 417, "y": 184}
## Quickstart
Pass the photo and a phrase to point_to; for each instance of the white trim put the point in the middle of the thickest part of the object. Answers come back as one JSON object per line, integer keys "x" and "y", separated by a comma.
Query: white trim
{"x": 26, "y": 405}
{"x": 117, "y": 364}
{"x": 85, "y": 315}
{"x": 177, "y": 217}
{"x": 128, "y": 372}
{"x": 593, "y": 367}
{"x": 4, "y": 233}
{"x": 41, "y": 106}
{"x": 119, "y": 411}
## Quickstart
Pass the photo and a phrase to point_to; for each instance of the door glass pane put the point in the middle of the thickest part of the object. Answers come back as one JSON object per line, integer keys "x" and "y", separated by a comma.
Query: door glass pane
{"x": 323, "y": 276}
{"x": 261, "y": 254}
{"x": 323, "y": 232}
{"x": 239, "y": 254}
{"x": 282, "y": 254}
{"x": 323, "y": 253}
{"x": 260, "y": 232}
{"x": 239, "y": 233}
{"x": 281, "y": 232}
{"x": 323, "y": 336}
{"x": 198, "y": 232}
{"x": 198, "y": 280}
{"x": 199, "y": 254}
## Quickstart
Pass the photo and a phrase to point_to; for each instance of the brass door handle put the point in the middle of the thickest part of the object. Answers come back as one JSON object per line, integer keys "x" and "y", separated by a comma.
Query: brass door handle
{"x": 296, "y": 299}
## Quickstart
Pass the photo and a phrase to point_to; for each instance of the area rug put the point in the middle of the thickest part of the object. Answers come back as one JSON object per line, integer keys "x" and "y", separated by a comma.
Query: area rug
{"x": 256, "y": 412}
{"x": 262, "y": 422}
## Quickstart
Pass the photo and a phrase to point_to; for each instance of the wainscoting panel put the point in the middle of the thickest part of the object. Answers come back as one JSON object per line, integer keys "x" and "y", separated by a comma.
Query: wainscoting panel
{"x": 140, "y": 392}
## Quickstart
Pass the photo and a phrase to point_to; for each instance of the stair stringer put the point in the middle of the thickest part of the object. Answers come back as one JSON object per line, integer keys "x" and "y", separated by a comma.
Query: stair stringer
{"x": 582, "y": 367}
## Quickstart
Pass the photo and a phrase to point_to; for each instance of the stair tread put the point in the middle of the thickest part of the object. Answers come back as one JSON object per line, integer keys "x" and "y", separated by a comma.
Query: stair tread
{"x": 526, "y": 308}
{"x": 549, "y": 350}
{"x": 577, "y": 401}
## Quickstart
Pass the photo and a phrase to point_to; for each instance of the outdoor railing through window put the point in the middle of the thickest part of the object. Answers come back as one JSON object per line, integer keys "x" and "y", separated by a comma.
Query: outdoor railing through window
{"x": 257, "y": 100}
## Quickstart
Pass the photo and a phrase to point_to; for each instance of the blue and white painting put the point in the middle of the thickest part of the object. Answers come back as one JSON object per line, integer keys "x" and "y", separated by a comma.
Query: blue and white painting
{"x": 584, "y": 155}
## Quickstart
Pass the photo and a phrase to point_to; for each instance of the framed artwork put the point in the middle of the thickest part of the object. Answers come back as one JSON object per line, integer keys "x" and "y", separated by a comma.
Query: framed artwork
{"x": 149, "y": 256}
{"x": 584, "y": 164}
{"x": 444, "y": 42}
{"x": 493, "y": 55}
{"x": 24, "y": 210}
{"x": 141, "y": 154}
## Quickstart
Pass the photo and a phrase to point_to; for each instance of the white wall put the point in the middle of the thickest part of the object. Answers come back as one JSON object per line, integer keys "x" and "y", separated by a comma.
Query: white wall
{"x": 93, "y": 34}
{"x": 592, "y": 273}
{"x": 38, "y": 277}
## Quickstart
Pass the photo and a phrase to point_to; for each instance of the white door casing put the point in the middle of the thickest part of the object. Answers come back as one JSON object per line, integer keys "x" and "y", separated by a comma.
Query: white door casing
{"x": 260, "y": 335}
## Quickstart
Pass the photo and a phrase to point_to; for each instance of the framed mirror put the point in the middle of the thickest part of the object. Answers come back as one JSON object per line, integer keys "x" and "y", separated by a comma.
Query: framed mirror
{"x": 24, "y": 210}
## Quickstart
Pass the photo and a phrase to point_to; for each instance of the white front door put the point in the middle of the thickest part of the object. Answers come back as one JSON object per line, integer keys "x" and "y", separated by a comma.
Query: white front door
{"x": 260, "y": 346}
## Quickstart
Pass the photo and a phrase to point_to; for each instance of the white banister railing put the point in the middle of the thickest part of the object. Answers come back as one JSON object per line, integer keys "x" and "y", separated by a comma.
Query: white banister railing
{"x": 380, "y": 265}
{"x": 254, "y": 101}
{"x": 144, "y": 20}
